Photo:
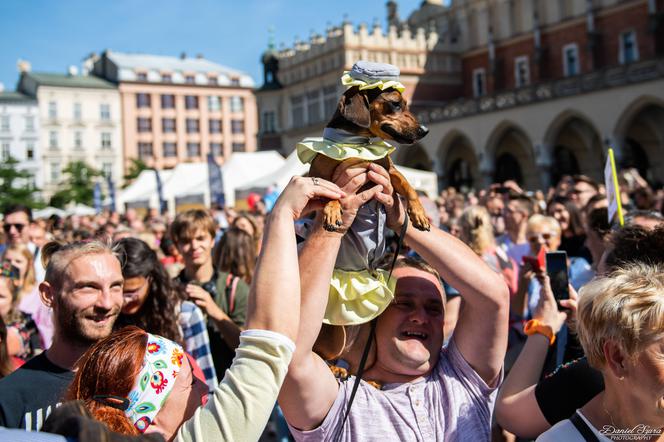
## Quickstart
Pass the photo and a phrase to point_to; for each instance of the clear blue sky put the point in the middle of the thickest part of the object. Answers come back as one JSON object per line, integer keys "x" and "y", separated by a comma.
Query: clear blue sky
{"x": 53, "y": 34}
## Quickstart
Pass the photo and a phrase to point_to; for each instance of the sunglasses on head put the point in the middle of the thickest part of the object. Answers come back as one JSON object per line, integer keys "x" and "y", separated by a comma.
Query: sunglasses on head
{"x": 545, "y": 236}
{"x": 18, "y": 227}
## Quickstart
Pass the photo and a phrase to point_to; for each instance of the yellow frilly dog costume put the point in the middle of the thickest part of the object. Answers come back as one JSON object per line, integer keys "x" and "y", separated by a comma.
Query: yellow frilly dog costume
{"x": 359, "y": 290}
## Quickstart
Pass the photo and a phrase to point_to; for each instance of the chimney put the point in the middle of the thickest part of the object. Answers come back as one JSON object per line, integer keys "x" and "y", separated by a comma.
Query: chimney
{"x": 72, "y": 71}
{"x": 183, "y": 55}
{"x": 23, "y": 66}
{"x": 199, "y": 56}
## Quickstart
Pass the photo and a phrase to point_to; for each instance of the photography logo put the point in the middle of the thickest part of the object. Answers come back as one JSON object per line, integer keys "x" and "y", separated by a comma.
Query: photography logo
{"x": 639, "y": 432}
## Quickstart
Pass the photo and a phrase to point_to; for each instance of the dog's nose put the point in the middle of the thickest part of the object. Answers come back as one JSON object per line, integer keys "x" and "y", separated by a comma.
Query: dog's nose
{"x": 422, "y": 131}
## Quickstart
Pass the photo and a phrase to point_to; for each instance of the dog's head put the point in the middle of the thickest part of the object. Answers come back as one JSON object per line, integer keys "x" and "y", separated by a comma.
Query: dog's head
{"x": 377, "y": 113}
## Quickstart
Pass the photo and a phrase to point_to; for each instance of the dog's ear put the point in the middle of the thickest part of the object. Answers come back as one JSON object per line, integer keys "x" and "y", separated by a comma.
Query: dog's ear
{"x": 354, "y": 107}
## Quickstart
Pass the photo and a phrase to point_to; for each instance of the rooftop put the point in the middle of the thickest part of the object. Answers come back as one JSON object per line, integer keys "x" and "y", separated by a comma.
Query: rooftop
{"x": 65, "y": 80}
{"x": 183, "y": 64}
{"x": 14, "y": 97}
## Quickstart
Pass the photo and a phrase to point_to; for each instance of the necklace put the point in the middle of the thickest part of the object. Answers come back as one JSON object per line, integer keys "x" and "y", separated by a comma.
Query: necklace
{"x": 607, "y": 413}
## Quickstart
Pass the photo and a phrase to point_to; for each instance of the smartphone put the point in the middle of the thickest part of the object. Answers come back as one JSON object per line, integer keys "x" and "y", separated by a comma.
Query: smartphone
{"x": 556, "y": 268}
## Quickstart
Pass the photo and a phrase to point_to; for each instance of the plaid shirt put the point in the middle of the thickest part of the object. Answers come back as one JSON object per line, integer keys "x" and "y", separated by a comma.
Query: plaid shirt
{"x": 197, "y": 343}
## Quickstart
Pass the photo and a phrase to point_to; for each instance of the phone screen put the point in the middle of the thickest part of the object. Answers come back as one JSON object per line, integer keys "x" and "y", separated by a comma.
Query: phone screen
{"x": 556, "y": 268}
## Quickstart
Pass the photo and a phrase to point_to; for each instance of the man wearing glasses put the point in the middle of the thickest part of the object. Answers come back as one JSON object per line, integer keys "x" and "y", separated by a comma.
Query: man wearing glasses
{"x": 16, "y": 222}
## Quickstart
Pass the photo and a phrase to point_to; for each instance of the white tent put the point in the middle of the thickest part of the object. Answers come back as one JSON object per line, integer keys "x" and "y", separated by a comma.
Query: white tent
{"x": 419, "y": 179}
{"x": 80, "y": 210}
{"x": 189, "y": 181}
{"x": 48, "y": 212}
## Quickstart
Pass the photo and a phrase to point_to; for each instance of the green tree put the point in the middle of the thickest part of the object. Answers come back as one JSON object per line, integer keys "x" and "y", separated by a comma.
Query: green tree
{"x": 78, "y": 185}
{"x": 16, "y": 186}
{"x": 137, "y": 166}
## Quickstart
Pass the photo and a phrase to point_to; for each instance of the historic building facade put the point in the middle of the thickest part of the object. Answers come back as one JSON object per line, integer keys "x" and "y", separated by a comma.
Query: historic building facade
{"x": 522, "y": 89}
{"x": 179, "y": 109}
{"x": 19, "y": 133}
{"x": 79, "y": 120}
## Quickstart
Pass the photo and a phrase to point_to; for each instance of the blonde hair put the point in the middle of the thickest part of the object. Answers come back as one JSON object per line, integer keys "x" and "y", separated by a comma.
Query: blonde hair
{"x": 56, "y": 257}
{"x": 626, "y": 307}
{"x": 476, "y": 229}
{"x": 549, "y": 221}
{"x": 29, "y": 280}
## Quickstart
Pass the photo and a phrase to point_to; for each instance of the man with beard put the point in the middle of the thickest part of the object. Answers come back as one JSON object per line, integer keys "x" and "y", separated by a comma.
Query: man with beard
{"x": 83, "y": 286}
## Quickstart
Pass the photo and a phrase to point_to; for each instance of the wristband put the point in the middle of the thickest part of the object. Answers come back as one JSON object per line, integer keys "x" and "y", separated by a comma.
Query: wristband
{"x": 535, "y": 326}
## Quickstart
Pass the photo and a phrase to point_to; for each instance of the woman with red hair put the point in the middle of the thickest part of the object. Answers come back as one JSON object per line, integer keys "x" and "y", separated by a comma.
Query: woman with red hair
{"x": 136, "y": 382}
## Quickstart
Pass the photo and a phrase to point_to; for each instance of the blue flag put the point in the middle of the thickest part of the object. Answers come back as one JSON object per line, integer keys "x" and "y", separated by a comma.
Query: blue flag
{"x": 163, "y": 205}
{"x": 96, "y": 197}
{"x": 216, "y": 182}
{"x": 111, "y": 191}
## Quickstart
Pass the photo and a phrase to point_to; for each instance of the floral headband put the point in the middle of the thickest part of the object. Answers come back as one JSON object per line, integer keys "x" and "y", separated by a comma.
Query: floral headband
{"x": 349, "y": 81}
{"x": 7, "y": 270}
{"x": 161, "y": 365}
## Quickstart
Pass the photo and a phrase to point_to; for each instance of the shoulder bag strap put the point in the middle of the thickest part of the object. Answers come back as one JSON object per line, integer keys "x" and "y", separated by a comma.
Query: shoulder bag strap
{"x": 583, "y": 428}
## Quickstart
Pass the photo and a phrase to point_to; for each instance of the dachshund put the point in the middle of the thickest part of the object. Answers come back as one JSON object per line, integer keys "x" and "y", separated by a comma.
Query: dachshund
{"x": 374, "y": 113}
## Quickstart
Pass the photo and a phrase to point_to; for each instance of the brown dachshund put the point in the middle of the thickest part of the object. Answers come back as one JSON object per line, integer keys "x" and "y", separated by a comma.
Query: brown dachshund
{"x": 374, "y": 113}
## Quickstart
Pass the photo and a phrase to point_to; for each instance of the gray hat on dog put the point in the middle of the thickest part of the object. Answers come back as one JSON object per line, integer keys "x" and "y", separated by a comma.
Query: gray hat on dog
{"x": 368, "y": 74}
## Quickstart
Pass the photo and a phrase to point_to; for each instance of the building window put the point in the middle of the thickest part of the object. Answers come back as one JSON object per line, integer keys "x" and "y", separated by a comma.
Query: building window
{"x": 235, "y": 81}
{"x": 107, "y": 169}
{"x": 213, "y": 81}
{"x": 168, "y": 125}
{"x": 144, "y": 150}
{"x": 192, "y": 126}
{"x": 170, "y": 150}
{"x": 297, "y": 109}
{"x": 629, "y": 50}
{"x": 190, "y": 79}
{"x": 78, "y": 140}
{"x": 144, "y": 124}
{"x": 29, "y": 123}
{"x": 5, "y": 151}
{"x": 214, "y": 103}
{"x": 77, "y": 111}
{"x": 141, "y": 76}
{"x": 313, "y": 106}
{"x": 30, "y": 150}
{"x": 521, "y": 71}
{"x": 193, "y": 149}
{"x": 330, "y": 100}
{"x": 55, "y": 172}
{"x": 190, "y": 102}
{"x": 166, "y": 78}
{"x": 4, "y": 123}
{"x": 269, "y": 123}
{"x": 238, "y": 147}
{"x": 142, "y": 100}
{"x": 215, "y": 126}
{"x": 52, "y": 110}
{"x": 106, "y": 140}
{"x": 53, "y": 139}
{"x": 105, "y": 112}
{"x": 479, "y": 82}
{"x": 168, "y": 101}
{"x": 216, "y": 149}
{"x": 571, "y": 65}
{"x": 237, "y": 126}
{"x": 237, "y": 104}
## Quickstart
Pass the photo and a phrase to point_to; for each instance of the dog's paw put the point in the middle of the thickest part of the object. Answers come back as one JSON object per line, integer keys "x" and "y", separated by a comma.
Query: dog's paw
{"x": 332, "y": 216}
{"x": 419, "y": 218}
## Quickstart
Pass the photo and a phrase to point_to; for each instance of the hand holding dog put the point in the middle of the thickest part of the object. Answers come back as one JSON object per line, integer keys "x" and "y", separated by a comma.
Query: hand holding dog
{"x": 303, "y": 195}
{"x": 394, "y": 207}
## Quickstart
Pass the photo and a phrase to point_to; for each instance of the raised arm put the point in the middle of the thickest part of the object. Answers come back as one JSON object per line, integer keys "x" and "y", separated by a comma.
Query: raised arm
{"x": 242, "y": 403}
{"x": 310, "y": 388}
{"x": 481, "y": 332}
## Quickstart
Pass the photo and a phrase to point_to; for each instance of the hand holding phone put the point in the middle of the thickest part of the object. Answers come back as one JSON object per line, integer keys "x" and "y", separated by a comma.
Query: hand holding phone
{"x": 556, "y": 268}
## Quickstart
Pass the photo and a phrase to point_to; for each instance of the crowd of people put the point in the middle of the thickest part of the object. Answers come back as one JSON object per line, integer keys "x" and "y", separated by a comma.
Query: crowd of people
{"x": 192, "y": 327}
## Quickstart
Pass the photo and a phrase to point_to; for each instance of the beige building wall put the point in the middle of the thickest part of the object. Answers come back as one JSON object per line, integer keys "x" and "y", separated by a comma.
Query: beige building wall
{"x": 244, "y": 141}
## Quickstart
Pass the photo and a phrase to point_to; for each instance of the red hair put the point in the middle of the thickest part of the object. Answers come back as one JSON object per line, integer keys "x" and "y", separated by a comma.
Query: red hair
{"x": 110, "y": 367}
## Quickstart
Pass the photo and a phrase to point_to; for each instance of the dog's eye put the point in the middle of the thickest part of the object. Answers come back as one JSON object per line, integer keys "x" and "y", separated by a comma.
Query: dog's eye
{"x": 396, "y": 106}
